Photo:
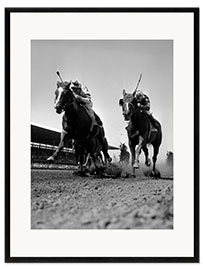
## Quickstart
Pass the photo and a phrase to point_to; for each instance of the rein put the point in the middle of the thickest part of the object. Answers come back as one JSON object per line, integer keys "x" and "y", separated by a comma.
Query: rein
{"x": 134, "y": 110}
{"x": 66, "y": 106}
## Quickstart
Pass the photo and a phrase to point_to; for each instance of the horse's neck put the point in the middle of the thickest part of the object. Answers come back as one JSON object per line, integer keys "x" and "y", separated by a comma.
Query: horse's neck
{"x": 139, "y": 120}
{"x": 77, "y": 115}
{"x": 72, "y": 110}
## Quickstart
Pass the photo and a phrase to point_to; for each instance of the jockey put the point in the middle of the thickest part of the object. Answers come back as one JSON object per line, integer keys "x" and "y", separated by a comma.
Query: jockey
{"x": 83, "y": 96}
{"x": 143, "y": 103}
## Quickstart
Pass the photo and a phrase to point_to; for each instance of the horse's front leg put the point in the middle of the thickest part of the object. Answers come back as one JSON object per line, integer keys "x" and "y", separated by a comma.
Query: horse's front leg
{"x": 85, "y": 164}
{"x": 103, "y": 159}
{"x": 132, "y": 150}
{"x": 146, "y": 152}
{"x": 137, "y": 153}
{"x": 59, "y": 148}
{"x": 155, "y": 172}
{"x": 104, "y": 146}
{"x": 99, "y": 168}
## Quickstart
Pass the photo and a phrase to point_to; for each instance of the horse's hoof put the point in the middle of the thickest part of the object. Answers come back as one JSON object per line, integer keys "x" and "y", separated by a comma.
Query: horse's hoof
{"x": 50, "y": 159}
{"x": 158, "y": 175}
{"x": 148, "y": 162}
{"x": 77, "y": 173}
{"x": 81, "y": 173}
{"x": 133, "y": 174}
{"x": 155, "y": 174}
{"x": 86, "y": 174}
{"x": 136, "y": 165}
{"x": 84, "y": 169}
{"x": 152, "y": 174}
{"x": 104, "y": 175}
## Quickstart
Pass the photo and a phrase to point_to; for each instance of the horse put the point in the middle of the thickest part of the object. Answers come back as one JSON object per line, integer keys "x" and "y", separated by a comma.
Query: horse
{"x": 124, "y": 154}
{"x": 140, "y": 132}
{"x": 77, "y": 123}
{"x": 169, "y": 158}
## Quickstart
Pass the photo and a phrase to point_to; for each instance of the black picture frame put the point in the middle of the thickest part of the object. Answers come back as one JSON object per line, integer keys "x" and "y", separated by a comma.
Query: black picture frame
{"x": 8, "y": 257}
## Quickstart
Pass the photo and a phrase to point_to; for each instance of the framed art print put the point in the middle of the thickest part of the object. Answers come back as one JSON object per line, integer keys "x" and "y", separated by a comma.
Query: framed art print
{"x": 102, "y": 135}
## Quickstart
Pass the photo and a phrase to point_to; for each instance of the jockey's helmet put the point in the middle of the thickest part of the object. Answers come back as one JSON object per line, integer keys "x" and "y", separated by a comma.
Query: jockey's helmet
{"x": 58, "y": 84}
{"x": 139, "y": 94}
{"x": 76, "y": 83}
{"x": 65, "y": 85}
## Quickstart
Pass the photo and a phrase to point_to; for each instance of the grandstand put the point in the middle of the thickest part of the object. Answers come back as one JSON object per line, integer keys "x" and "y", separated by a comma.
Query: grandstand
{"x": 44, "y": 141}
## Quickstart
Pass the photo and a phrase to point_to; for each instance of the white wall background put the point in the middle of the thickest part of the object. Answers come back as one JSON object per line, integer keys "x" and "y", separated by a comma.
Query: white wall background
{"x": 75, "y": 3}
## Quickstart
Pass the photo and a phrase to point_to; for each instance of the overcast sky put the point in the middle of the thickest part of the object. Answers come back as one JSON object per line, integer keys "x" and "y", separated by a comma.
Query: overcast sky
{"x": 105, "y": 67}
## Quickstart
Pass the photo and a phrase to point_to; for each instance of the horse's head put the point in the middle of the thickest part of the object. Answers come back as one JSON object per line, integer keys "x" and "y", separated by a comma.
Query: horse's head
{"x": 63, "y": 97}
{"x": 128, "y": 104}
{"x": 123, "y": 147}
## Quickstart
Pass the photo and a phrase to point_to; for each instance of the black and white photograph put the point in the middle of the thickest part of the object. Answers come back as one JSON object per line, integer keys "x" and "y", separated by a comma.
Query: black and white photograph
{"x": 102, "y": 134}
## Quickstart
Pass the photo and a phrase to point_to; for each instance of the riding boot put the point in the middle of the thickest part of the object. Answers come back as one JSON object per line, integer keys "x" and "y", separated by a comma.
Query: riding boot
{"x": 93, "y": 120}
{"x": 98, "y": 120}
{"x": 91, "y": 127}
{"x": 153, "y": 121}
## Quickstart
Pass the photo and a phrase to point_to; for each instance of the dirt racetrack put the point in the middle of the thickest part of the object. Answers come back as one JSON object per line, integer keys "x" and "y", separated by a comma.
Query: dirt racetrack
{"x": 61, "y": 200}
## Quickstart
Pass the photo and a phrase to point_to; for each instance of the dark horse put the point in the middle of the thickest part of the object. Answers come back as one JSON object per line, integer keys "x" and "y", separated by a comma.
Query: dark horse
{"x": 169, "y": 158}
{"x": 124, "y": 154}
{"x": 140, "y": 132}
{"x": 77, "y": 123}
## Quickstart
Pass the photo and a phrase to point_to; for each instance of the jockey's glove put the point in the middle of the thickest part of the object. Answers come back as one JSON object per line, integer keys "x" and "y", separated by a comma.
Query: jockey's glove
{"x": 77, "y": 97}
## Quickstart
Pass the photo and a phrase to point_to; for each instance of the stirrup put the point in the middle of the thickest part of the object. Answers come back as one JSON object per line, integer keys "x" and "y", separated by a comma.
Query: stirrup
{"x": 154, "y": 129}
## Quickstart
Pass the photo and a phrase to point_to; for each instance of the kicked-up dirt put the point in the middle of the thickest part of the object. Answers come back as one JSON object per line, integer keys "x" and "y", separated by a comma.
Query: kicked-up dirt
{"x": 62, "y": 200}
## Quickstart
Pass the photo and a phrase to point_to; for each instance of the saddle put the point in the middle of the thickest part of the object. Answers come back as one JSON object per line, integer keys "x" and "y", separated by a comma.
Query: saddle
{"x": 152, "y": 124}
{"x": 96, "y": 121}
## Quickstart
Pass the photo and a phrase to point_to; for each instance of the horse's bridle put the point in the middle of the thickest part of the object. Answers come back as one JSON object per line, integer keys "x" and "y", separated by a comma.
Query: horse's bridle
{"x": 133, "y": 107}
{"x": 66, "y": 105}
